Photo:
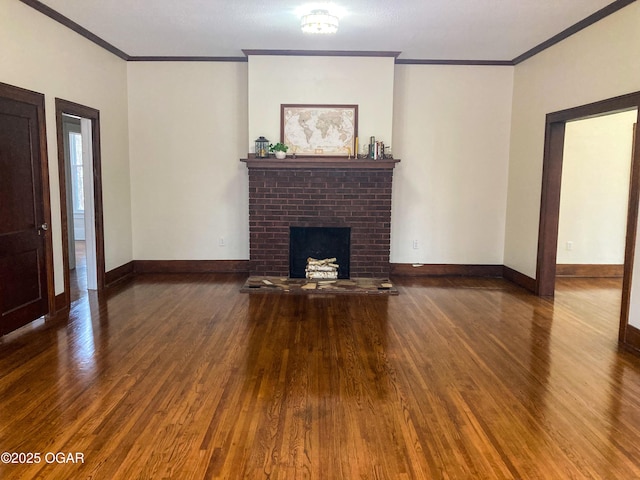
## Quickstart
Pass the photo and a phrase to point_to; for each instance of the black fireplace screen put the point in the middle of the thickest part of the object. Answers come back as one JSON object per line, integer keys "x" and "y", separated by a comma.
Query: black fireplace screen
{"x": 319, "y": 243}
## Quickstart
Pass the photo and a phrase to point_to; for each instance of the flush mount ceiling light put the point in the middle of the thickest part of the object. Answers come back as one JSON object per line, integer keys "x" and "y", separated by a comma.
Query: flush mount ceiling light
{"x": 319, "y": 21}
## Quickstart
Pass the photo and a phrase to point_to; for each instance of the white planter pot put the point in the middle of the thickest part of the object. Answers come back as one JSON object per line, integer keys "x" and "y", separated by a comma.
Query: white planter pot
{"x": 281, "y": 155}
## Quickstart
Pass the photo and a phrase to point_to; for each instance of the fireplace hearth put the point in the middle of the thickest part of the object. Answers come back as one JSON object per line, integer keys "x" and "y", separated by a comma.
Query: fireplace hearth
{"x": 320, "y": 193}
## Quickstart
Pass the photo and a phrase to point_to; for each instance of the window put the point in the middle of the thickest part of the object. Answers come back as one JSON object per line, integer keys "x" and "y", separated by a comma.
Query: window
{"x": 75, "y": 154}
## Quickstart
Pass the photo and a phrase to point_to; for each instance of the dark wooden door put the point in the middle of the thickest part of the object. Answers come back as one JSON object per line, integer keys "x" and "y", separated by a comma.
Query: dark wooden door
{"x": 23, "y": 228}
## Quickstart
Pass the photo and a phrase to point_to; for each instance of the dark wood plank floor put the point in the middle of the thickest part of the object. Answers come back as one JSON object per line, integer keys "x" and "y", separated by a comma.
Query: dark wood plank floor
{"x": 183, "y": 377}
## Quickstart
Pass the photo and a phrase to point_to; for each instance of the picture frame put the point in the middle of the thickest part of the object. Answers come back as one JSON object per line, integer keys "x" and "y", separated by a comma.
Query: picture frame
{"x": 319, "y": 130}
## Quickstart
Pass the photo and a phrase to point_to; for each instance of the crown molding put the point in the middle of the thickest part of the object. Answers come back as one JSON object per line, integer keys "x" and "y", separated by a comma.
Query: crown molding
{"x": 491, "y": 63}
{"x": 322, "y": 53}
{"x": 80, "y": 30}
{"x": 185, "y": 59}
{"x": 581, "y": 25}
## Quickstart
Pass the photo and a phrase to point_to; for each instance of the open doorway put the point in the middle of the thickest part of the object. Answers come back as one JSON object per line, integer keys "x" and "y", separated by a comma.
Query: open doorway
{"x": 550, "y": 198}
{"x": 79, "y": 205}
{"x": 79, "y": 166}
{"x": 594, "y": 196}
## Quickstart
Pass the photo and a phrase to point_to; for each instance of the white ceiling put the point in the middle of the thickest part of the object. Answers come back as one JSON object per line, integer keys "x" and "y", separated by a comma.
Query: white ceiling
{"x": 420, "y": 29}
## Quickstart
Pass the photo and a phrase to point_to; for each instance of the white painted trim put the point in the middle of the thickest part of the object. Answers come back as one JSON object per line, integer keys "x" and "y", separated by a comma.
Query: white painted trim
{"x": 70, "y": 124}
{"x": 89, "y": 207}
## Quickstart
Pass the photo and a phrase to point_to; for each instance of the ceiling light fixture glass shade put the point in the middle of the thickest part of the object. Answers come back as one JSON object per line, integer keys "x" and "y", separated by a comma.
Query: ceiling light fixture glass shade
{"x": 319, "y": 21}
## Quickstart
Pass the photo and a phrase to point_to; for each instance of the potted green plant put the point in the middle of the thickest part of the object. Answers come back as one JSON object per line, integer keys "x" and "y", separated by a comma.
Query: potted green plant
{"x": 280, "y": 149}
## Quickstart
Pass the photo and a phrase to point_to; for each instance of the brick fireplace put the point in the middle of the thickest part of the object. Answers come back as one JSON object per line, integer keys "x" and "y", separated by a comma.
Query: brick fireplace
{"x": 320, "y": 192}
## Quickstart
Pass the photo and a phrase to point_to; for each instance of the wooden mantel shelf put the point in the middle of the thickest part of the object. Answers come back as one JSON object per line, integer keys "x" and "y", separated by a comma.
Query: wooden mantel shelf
{"x": 320, "y": 162}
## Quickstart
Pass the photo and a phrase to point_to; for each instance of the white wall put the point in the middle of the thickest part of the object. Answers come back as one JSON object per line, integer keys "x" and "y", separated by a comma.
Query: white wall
{"x": 595, "y": 189}
{"x": 597, "y": 63}
{"x": 188, "y": 131}
{"x": 451, "y": 129}
{"x": 185, "y": 198}
{"x": 363, "y": 81}
{"x": 41, "y": 55}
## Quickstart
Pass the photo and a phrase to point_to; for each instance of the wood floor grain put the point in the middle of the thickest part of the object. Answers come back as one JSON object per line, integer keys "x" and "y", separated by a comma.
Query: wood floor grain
{"x": 183, "y": 377}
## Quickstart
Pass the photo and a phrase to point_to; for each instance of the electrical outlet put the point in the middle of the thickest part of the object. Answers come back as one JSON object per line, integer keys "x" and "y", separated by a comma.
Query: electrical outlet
{"x": 415, "y": 244}
{"x": 221, "y": 242}
{"x": 569, "y": 245}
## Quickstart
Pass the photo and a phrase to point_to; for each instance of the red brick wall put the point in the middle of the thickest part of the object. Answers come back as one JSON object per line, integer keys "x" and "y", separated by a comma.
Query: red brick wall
{"x": 316, "y": 197}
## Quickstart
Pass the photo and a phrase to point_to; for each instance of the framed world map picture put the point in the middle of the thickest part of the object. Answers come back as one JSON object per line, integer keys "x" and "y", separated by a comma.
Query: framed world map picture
{"x": 319, "y": 130}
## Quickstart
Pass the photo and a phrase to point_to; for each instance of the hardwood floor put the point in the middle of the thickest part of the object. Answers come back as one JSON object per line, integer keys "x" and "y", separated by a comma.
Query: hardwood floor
{"x": 183, "y": 377}
{"x": 78, "y": 275}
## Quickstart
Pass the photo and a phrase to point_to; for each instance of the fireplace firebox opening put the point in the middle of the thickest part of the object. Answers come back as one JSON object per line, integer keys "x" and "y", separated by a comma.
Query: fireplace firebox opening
{"x": 319, "y": 243}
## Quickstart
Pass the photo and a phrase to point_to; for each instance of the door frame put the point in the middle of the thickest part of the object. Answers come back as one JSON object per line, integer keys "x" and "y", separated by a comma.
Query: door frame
{"x": 37, "y": 100}
{"x": 550, "y": 198}
{"x": 72, "y": 108}
{"x": 66, "y": 128}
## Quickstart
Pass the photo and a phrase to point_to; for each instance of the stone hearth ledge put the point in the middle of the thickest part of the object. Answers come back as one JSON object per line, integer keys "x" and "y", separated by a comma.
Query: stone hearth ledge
{"x": 354, "y": 286}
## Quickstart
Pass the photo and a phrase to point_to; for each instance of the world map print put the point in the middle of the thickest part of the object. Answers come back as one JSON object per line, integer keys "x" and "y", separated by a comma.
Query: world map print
{"x": 320, "y": 130}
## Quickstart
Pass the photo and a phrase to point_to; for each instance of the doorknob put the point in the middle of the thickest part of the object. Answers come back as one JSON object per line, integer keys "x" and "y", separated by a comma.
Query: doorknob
{"x": 43, "y": 228}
